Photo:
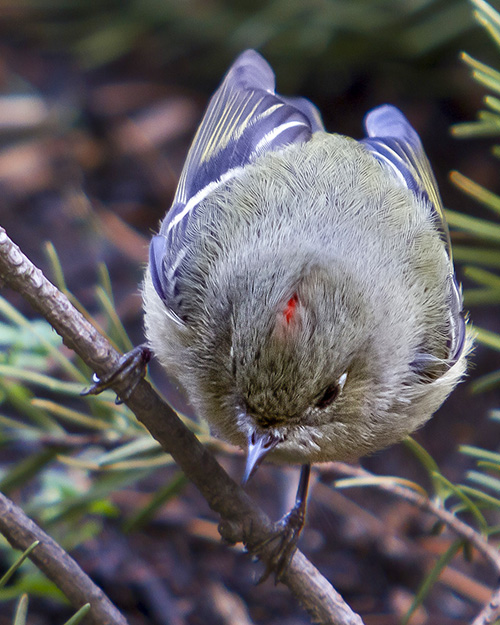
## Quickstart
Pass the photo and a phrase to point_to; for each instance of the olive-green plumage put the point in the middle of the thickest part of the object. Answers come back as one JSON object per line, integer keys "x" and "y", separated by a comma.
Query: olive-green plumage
{"x": 364, "y": 354}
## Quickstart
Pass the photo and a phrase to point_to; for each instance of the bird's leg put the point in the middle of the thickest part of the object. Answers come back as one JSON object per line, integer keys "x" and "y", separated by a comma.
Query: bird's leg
{"x": 131, "y": 368}
{"x": 287, "y": 531}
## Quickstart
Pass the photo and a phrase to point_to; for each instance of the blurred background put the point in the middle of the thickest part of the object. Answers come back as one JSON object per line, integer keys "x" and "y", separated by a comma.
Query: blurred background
{"x": 99, "y": 102}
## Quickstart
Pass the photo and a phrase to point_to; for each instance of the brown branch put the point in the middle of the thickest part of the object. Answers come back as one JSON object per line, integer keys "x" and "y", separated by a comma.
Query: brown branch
{"x": 242, "y": 520}
{"x": 491, "y": 612}
{"x": 50, "y": 558}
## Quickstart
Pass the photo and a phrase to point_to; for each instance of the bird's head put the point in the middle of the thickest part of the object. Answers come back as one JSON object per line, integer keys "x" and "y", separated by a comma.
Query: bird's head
{"x": 295, "y": 345}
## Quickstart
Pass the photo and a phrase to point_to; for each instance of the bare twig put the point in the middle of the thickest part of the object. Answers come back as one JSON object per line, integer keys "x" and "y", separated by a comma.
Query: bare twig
{"x": 492, "y": 611}
{"x": 21, "y": 532}
{"x": 459, "y": 527}
{"x": 242, "y": 520}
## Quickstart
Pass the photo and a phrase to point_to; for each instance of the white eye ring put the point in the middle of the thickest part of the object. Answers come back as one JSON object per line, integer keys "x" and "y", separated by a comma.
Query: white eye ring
{"x": 341, "y": 380}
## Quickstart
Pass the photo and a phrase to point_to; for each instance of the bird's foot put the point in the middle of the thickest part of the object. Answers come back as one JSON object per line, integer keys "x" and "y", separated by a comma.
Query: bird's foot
{"x": 286, "y": 534}
{"x": 130, "y": 370}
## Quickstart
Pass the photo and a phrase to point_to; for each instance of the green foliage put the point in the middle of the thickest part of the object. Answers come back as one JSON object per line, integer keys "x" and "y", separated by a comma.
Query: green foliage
{"x": 482, "y": 235}
{"x": 433, "y": 576}
{"x": 73, "y": 451}
{"x": 313, "y": 41}
{"x": 481, "y": 503}
{"x": 21, "y": 611}
{"x": 7, "y": 575}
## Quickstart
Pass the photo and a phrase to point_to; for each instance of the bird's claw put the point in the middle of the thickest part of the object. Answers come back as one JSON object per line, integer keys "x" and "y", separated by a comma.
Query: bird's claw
{"x": 286, "y": 534}
{"x": 131, "y": 368}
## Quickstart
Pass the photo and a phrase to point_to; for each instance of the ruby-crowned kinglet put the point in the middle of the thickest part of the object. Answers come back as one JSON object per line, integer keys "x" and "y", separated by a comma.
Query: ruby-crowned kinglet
{"x": 301, "y": 287}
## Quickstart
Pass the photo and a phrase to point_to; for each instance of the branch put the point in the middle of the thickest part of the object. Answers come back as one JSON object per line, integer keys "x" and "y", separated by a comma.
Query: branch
{"x": 242, "y": 520}
{"x": 50, "y": 558}
{"x": 491, "y": 612}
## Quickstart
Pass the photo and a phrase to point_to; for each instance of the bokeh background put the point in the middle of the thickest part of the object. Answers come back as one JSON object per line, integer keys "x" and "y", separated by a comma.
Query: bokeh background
{"x": 99, "y": 101}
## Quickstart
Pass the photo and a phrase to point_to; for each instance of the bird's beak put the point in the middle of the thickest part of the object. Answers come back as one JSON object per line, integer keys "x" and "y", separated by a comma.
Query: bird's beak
{"x": 259, "y": 445}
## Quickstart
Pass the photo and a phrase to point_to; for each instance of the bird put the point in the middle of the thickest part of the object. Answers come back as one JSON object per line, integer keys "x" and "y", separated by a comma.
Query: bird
{"x": 301, "y": 287}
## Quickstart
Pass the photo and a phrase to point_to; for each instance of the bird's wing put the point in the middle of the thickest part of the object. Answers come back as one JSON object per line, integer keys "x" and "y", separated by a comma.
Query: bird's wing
{"x": 395, "y": 143}
{"x": 244, "y": 119}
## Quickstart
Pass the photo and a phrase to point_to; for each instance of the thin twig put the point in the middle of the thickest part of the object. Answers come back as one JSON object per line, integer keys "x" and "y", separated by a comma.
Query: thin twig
{"x": 459, "y": 527}
{"x": 21, "y": 532}
{"x": 242, "y": 520}
{"x": 491, "y": 612}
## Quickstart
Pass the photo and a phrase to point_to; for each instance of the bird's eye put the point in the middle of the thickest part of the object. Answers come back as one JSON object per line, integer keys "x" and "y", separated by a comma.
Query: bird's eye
{"x": 331, "y": 392}
{"x": 328, "y": 395}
